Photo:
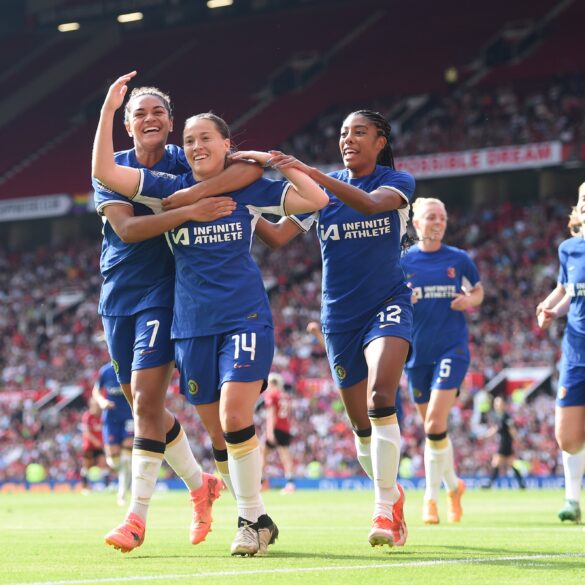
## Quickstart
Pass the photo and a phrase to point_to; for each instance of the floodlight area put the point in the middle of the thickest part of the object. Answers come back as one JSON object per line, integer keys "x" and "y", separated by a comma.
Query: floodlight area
{"x": 68, "y": 27}
{"x": 130, "y": 17}
{"x": 219, "y": 3}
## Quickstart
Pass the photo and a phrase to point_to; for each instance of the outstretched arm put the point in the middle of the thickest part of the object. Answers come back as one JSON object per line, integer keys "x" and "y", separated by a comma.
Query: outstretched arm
{"x": 236, "y": 176}
{"x": 276, "y": 235}
{"x": 377, "y": 201}
{"x": 123, "y": 180}
{"x": 304, "y": 196}
{"x": 131, "y": 228}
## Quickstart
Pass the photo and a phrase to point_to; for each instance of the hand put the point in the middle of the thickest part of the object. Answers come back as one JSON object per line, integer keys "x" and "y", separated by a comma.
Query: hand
{"x": 181, "y": 198}
{"x": 414, "y": 296}
{"x": 255, "y": 155}
{"x": 539, "y": 308}
{"x": 117, "y": 92}
{"x": 211, "y": 208}
{"x": 313, "y": 328}
{"x": 460, "y": 302}
{"x": 108, "y": 405}
{"x": 279, "y": 160}
{"x": 545, "y": 318}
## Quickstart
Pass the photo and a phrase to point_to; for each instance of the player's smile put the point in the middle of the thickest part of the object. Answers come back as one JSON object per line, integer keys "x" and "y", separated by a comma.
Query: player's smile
{"x": 359, "y": 143}
{"x": 205, "y": 148}
{"x": 149, "y": 120}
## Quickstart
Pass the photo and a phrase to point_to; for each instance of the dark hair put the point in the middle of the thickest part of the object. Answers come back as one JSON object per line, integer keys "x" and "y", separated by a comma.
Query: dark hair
{"x": 385, "y": 156}
{"x": 154, "y": 91}
{"x": 220, "y": 123}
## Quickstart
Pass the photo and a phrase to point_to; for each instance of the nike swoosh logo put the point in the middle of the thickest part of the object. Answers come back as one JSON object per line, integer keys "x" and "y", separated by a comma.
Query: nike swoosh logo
{"x": 386, "y": 325}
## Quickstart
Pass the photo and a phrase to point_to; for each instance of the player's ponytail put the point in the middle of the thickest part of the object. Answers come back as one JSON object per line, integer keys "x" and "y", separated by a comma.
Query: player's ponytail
{"x": 385, "y": 156}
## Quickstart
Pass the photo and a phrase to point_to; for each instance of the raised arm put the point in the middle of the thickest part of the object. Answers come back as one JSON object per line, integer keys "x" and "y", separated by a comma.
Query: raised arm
{"x": 237, "y": 176}
{"x": 379, "y": 200}
{"x": 123, "y": 180}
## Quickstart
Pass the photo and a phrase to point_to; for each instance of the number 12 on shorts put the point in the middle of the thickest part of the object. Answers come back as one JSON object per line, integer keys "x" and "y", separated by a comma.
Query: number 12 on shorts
{"x": 241, "y": 344}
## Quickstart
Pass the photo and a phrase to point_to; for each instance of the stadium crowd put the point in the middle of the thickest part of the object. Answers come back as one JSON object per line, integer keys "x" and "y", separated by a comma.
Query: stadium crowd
{"x": 466, "y": 119}
{"x": 49, "y": 338}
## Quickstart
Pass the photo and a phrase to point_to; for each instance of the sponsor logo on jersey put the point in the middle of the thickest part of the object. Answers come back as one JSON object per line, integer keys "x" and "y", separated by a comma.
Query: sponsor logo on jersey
{"x": 193, "y": 387}
{"x": 340, "y": 372}
{"x": 562, "y": 393}
{"x": 451, "y": 272}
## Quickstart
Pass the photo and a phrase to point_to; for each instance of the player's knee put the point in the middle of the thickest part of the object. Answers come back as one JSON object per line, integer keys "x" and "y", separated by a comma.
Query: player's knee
{"x": 381, "y": 397}
{"x": 570, "y": 443}
{"x": 435, "y": 426}
{"x": 145, "y": 409}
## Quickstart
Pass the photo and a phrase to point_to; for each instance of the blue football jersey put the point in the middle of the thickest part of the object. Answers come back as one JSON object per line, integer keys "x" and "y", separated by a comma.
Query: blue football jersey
{"x": 108, "y": 381}
{"x": 436, "y": 277}
{"x": 140, "y": 275}
{"x": 361, "y": 253}
{"x": 572, "y": 277}
{"x": 218, "y": 285}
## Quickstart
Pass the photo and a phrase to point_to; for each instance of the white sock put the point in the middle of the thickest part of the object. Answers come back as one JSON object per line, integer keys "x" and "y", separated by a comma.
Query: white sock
{"x": 434, "y": 459}
{"x": 245, "y": 467}
{"x": 124, "y": 473}
{"x": 179, "y": 456}
{"x": 224, "y": 471}
{"x": 385, "y": 461}
{"x": 363, "y": 447}
{"x": 574, "y": 467}
{"x": 449, "y": 476}
{"x": 145, "y": 469}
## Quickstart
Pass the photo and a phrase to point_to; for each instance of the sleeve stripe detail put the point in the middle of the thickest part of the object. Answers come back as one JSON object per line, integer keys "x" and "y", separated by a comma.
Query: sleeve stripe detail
{"x": 101, "y": 206}
{"x": 298, "y": 223}
{"x": 396, "y": 190}
{"x": 140, "y": 183}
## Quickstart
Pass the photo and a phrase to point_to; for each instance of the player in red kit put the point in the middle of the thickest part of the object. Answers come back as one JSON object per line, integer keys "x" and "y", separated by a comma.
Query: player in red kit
{"x": 278, "y": 435}
{"x": 92, "y": 443}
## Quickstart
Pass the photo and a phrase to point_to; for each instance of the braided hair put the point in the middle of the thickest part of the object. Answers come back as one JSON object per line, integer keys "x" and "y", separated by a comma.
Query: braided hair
{"x": 385, "y": 156}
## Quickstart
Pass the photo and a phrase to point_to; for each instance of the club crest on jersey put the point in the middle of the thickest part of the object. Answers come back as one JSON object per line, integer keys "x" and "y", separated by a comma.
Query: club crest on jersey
{"x": 193, "y": 387}
{"x": 451, "y": 272}
{"x": 340, "y": 372}
{"x": 562, "y": 393}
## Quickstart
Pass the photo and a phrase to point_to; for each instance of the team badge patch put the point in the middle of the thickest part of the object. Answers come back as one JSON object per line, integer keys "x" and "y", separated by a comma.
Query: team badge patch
{"x": 193, "y": 387}
{"x": 340, "y": 372}
{"x": 562, "y": 392}
{"x": 451, "y": 272}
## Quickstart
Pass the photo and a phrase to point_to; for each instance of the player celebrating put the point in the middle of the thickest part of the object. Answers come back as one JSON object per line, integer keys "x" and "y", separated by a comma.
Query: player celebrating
{"x": 222, "y": 324}
{"x": 568, "y": 298}
{"x": 91, "y": 443}
{"x": 136, "y": 307}
{"x": 366, "y": 311}
{"x": 278, "y": 411}
{"x": 117, "y": 426}
{"x": 445, "y": 283}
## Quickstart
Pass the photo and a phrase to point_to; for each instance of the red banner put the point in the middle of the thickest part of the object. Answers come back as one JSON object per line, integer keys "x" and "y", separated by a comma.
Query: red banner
{"x": 487, "y": 160}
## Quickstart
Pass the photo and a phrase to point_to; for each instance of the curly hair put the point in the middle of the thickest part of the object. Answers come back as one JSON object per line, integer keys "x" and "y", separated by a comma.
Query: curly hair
{"x": 385, "y": 156}
{"x": 145, "y": 90}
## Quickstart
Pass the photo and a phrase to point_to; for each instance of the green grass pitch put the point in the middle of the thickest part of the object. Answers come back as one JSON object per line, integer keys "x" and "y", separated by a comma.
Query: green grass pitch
{"x": 505, "y": 537}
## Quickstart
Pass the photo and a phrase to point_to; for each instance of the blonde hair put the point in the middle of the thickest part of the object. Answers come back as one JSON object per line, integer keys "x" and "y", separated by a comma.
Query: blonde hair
{"x": 421, "y": 203}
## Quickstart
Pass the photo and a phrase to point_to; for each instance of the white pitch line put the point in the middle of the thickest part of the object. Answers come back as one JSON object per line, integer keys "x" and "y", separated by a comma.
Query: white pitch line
{"x": 443, "y": 562}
